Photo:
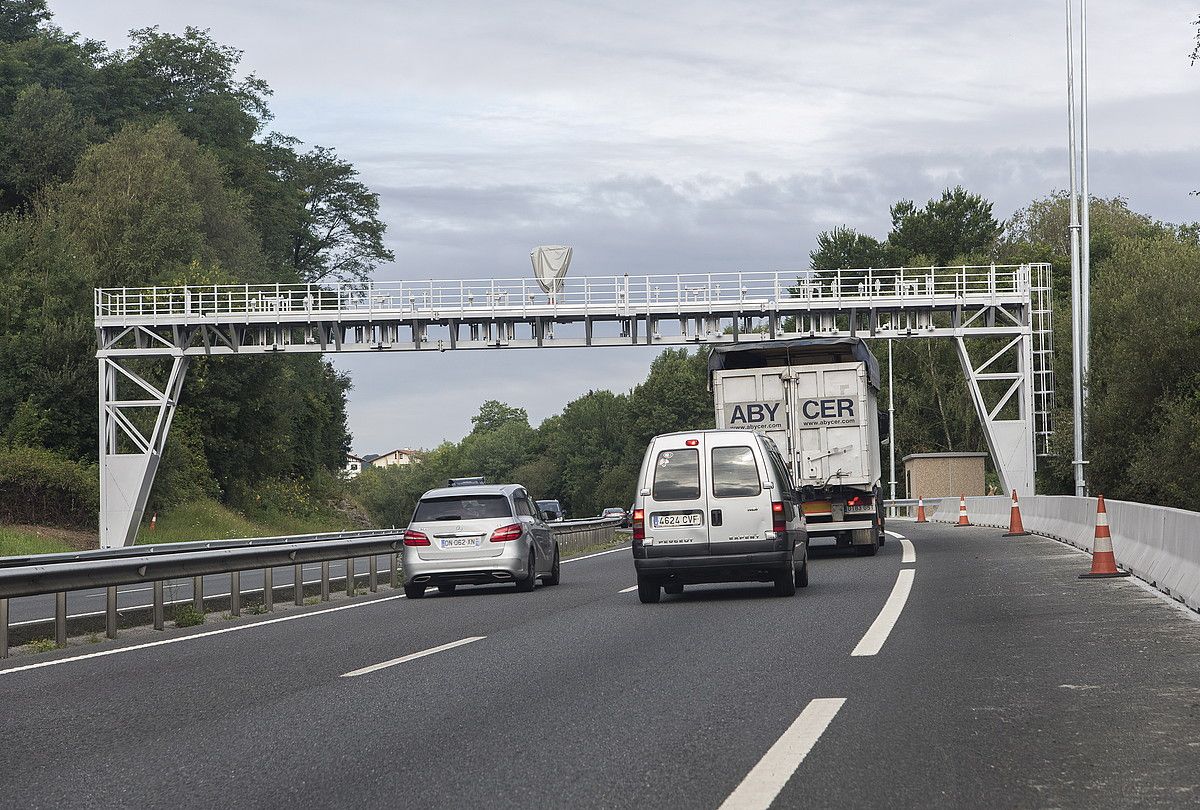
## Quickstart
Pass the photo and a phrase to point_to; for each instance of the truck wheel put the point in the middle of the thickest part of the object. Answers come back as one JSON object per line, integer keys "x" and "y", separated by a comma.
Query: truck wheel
{"x": 867, "y": 549}
{"x": 785, "y": 582}
{"x": 649, "y": 592}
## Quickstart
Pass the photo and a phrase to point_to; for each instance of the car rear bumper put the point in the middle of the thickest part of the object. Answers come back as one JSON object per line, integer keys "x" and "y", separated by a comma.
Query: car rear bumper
{"x": 755, "y": 567}
{"x": 471, "y": 571}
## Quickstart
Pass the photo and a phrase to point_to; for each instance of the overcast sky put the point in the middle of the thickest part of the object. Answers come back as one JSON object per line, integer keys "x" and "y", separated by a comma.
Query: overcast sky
{"x": 679, "y": 137}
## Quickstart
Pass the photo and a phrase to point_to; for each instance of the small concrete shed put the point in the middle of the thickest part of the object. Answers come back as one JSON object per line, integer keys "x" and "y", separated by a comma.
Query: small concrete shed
{"x": 944, "y": 475}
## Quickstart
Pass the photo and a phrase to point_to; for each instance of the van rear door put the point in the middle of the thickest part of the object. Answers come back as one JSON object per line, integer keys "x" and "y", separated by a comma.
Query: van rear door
{"x": 739, "y": 507}
{"x": 676, "y": 510}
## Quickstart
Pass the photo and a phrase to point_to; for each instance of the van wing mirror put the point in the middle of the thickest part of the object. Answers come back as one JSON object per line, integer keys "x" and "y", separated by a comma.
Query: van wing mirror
{"x": 768, "y": 485}
{"x": 645, "y": 493}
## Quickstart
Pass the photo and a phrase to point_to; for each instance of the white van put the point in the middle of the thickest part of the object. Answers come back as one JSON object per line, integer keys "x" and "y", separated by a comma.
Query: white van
{"x": 717, "y": 506}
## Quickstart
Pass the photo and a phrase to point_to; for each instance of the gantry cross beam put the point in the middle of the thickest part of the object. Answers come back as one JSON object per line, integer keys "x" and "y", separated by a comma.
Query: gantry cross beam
{"x": 161, "y": 327}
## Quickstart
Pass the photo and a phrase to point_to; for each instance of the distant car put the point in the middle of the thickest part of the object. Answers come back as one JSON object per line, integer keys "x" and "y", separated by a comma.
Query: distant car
{"x": 553, "y": 509}
{"x": 477, "y": 535}
{"x": 617, "y": 512}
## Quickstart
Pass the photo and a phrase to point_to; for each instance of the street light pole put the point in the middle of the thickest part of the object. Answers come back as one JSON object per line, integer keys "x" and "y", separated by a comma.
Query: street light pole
{"x": 892, "y": 418}
{"x": 1076, "y": 305}
{"x": 1085, "y": 234}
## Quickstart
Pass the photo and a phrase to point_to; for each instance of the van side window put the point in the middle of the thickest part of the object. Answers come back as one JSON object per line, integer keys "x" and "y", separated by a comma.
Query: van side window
{"x": 781, "y": 470}
{"x": 677, "y": 475}
{"x": 734, "y": 472}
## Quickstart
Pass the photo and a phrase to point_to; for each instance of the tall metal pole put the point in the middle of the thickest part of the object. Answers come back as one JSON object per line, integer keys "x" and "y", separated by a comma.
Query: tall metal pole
{"x": 1085, "y": 235}
{"x": 1076, "y": 320}
{"x": 892, "y": 418}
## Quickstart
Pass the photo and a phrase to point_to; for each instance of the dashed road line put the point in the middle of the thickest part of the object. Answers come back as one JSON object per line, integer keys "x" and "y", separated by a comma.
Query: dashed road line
{"x": 767, "y": 778}
{"x": 879, "y": 630}
{"x": 413, "y": 656}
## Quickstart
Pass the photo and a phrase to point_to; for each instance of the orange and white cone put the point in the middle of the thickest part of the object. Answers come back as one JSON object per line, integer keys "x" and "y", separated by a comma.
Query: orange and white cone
{"x": 962, "y": 511}
{"x": 1015, "y": 527}
{"x": 153, "y": 521}
{"x": 921, "y": 511}
{"x": 1104, "y": 564}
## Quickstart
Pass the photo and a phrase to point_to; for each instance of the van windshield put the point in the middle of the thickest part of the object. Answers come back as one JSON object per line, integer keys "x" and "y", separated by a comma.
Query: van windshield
{"x": 677, "y": 475}
{"x": 734, "y": 472}
{"x": 468, "y": 507}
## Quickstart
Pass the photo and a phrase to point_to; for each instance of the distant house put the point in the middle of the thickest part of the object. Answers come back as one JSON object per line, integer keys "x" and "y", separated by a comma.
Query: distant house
{"x": 402, "y": 457}
{"x": 354, "y": 466}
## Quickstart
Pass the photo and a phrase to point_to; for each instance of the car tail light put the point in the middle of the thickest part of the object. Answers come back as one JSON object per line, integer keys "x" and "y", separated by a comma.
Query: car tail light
{"x": 778, "y": 521}
{"x": 505, "y": 533}
{"x": 412, "y": 538}
{"x": 639, "y": 524}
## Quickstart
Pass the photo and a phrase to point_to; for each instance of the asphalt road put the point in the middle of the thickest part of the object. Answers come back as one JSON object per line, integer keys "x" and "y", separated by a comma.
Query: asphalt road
{"x": 1001, "y": 680}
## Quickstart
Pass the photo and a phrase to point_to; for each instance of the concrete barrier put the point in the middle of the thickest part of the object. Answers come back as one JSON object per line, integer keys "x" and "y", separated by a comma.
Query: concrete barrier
{"x": 1155, "y": 543}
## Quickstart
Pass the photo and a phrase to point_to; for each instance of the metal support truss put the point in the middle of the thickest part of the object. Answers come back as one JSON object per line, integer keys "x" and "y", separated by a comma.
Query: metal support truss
{"x": 138, "y": 327}
{"x": 135, "y": 418}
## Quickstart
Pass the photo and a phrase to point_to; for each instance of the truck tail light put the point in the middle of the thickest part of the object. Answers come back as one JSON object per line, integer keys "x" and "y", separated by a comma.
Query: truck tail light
{"x": 778, "y": 521}
{"x": 412, "y": 538}
{"x": 859, "y": 500}
{"x": 639, "y": 524}
{"x": 505, "y": 533}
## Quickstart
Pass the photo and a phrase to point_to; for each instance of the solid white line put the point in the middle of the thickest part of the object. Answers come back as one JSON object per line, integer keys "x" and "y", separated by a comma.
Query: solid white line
{"x": 205, "y": 634}
{"x": 910, "y": 553}
{"x": 414, "y": 656}
{"x": 767, "y": 778}
{"x": 878, "y": 633}
{"x": 597, "y": 554}
{"x": 630, "y": 588}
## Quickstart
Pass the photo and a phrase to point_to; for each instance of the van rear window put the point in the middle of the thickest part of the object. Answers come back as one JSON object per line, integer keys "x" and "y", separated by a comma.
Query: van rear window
{"x": 734, "y": 472}
{"x": 677, "y": 475}
{"x": 468, "y": 507}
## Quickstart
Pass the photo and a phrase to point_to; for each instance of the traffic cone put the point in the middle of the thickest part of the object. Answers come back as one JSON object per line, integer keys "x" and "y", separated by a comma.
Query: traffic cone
{"x": 153, "y": 521}
{"x": 1104, "y": 564}
{"x": 921, "y": 511}
{"x": 962, "y": 511}
{"x": 1015, "y": 527}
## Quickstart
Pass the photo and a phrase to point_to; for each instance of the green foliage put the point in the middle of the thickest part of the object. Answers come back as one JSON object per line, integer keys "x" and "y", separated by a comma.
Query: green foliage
{"x": 38, "y": 486}
{"x": 14, "y": 543}
{"x": 40, "y": 142}
{"x": 958, "y": 225}
{"x": 187, "y": 615}
{"x": 41, "y": 645}
{"x": 19, "y": 19}
{"x": 845, "y": 247}
{"x": 493, "y": 414}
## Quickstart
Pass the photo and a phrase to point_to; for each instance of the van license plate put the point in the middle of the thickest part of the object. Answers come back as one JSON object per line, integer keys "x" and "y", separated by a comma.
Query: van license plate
{"x": 460, "y": 542}
{"x": 671, "y": 521}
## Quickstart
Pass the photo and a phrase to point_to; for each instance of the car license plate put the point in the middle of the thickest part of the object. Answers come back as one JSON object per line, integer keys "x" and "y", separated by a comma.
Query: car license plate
{"x": 460, "y": 542}
{"x": 860, "y": 508}
{"x": 674, "y": 521}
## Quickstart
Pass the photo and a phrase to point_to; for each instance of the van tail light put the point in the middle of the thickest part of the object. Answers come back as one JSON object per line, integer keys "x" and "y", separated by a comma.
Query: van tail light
{"x": 639, "y": 524}
{"x": 505, "y": 533}
{"x": 778, "y": 521}
{"x": 412, "y": 538}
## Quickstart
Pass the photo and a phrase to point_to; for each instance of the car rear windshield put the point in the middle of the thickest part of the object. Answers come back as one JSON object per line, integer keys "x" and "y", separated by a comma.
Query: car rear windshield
{"x": 734, "y": 472}
{"x": 463, "y": 507}
{"x": 677, "y": 475}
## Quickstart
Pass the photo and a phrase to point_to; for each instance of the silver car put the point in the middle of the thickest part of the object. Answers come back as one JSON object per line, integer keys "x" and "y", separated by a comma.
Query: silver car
{"x": 477, "y": 535}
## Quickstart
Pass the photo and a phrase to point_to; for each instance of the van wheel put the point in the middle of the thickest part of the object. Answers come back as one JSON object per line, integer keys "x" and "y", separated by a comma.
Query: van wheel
{"x": 802, "y": 576}
{"x": 530, "y": 581}
{"x": 649, "y": 592}
{"x": 785, "y": 582}
{"x": 414, "y": 591}
{"x": 674, "y": 589}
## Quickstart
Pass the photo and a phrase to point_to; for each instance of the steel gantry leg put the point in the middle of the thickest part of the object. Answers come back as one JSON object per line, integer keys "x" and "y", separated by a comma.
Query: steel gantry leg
{"x": 133, "y": 433}
{"x": 1007, "y": 419}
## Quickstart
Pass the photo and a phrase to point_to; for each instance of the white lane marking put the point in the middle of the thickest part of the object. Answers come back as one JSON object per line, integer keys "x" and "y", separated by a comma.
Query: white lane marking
{"x": 910, "y": 553}
{"x": 413, "y": 656}
{"x": 630, "y": 588}
{"x": 767, "y": 778}
{"x": 879, "y": 630}
{"x": 205, "y": 634}
{"x": 597, "y": 554}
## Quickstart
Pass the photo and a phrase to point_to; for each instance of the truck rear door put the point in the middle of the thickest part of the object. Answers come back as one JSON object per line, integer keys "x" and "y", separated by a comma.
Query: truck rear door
{"x": 754, "y": 399}
{"x": 676, "y": 510}
{"x": 829, "y": 405}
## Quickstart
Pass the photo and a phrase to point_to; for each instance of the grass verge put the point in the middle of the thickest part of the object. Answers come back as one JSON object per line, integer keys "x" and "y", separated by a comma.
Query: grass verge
{"x": 209, "y": 520}
{"x": 20, "y": 542}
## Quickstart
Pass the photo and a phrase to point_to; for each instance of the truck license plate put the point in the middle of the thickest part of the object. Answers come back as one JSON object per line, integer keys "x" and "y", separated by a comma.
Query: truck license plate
{"x": 672, "y": 521}
{"x": 860, "y": 508}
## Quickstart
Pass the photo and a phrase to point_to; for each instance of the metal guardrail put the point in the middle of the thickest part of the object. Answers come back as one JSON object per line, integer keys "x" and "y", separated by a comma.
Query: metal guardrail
{"x": 907, "y": 507}
{"x": 583, "y": 294}
{"x": 110, "y": 568}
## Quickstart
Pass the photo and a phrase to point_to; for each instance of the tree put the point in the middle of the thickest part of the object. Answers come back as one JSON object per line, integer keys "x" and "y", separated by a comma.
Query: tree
{"x": 338, "y": 235}
{"x": 494, "y": 414}
{"x": 958, "y": 225}
{"x": 19, "y": 19}
{"x": 40, "y": 142}
{"x": 843, "y": 247}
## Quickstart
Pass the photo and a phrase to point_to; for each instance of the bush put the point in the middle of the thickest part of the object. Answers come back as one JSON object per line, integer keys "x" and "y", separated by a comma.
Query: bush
{"x": 188, "y": 616}
{"x": 42, "y": 488}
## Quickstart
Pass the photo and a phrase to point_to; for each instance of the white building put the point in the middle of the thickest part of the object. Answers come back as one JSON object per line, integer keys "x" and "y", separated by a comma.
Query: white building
{"x": 354, "y": 466}
{"x": 402, "y": 457}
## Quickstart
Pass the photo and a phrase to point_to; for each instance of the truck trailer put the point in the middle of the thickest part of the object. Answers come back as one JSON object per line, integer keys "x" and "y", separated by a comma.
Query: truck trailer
{"x": 817, "y": 399}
